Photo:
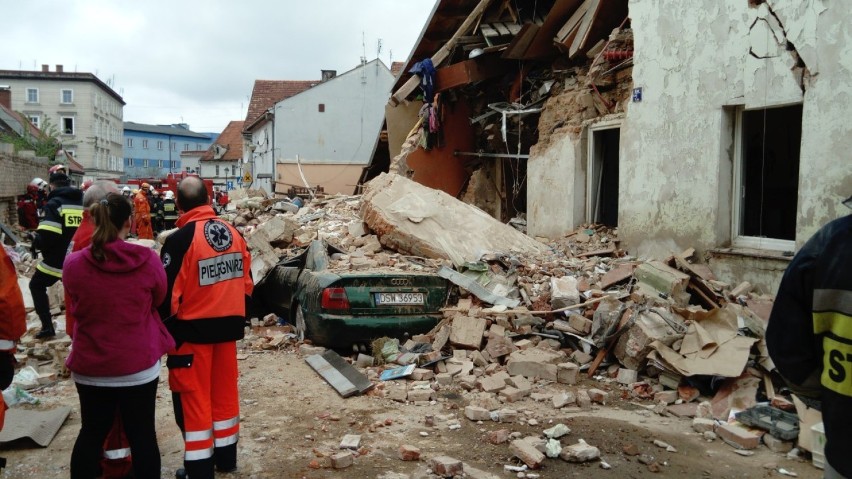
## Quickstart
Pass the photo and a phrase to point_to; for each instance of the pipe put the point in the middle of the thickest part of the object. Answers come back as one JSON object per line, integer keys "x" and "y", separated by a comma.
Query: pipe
{"x": 489, "y": 155}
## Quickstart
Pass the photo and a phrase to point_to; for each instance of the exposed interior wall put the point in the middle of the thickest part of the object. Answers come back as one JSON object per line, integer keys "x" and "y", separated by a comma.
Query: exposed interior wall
{"x": 483, "y": 191}
{"x": 400, "y": 120}
{"x": 438, "y": 167}
{"x": 16, "y": 172}
{"x": 557, "y": 187}
{"x": 334, "y": 179}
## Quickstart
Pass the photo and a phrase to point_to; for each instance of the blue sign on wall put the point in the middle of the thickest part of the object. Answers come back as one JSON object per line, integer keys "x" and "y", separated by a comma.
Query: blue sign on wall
{"x": 230, "y": 185}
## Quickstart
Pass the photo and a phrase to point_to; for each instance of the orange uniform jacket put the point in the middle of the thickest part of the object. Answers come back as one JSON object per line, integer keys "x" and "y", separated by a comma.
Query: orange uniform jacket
{"x": 13, "y": 319}
{"x": 209, "y": 273}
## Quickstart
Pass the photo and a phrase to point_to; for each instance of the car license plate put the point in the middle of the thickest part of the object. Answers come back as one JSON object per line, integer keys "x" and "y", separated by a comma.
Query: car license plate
{"x": 399, "y": 298}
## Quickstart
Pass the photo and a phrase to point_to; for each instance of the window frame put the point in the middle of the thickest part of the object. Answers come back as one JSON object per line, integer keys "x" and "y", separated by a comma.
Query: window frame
{"x": 160, "y": 145}
{"x": 35, "y": 120}
{"x": 144, "y": 143}
{"x": 739, "y": 240}
{"x": 129, "y": 143}
{"x": 73, "y": 125}
{"x": 62, "y": 96}
{"x": 37, "y": 95}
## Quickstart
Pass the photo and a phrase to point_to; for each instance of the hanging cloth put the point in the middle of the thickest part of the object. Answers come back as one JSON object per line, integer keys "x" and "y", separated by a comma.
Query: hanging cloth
{"x": 426, "y": 71}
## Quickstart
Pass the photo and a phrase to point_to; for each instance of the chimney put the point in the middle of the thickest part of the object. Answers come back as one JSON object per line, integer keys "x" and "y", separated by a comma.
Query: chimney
{"x": 45, "y": 68}
{"x": 59, "y": 69}
{"x": 6, "y": 96}
{"x": 328, "y": 74}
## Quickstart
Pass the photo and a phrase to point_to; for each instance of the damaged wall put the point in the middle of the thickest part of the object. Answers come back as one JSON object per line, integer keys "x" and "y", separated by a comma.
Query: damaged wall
{"x": 697, "y": 64}
{"x": 677, "y": 143}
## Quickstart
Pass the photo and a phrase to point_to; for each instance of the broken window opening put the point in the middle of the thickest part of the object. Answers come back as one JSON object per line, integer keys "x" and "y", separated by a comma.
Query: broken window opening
{"x": 602, "y": 199}
{"x": 768, "y": 180}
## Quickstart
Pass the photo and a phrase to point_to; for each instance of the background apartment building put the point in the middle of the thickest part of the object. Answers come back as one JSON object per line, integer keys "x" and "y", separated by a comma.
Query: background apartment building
{"x": 84, "y": 112}
{"x": 154, "y": 151}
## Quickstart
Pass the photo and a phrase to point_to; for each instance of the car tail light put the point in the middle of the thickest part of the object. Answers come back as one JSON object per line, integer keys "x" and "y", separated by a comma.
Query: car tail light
{"x": 335, "y": 298}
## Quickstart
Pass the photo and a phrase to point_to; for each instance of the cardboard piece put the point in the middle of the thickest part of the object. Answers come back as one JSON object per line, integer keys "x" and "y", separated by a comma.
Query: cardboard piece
{"x": 710, "y": 347}
{"x": 40, "y": 426}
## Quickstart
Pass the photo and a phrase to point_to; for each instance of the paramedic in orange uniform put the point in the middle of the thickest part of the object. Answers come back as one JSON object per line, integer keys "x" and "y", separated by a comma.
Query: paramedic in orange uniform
{"x": 209, "y": 284}
{"x": 142, "y": 213}
{"x": 13, "y": 324}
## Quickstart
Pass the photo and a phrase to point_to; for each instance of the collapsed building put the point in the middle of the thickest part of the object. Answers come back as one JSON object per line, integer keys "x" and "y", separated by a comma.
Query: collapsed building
{"x": 565, "y": 112}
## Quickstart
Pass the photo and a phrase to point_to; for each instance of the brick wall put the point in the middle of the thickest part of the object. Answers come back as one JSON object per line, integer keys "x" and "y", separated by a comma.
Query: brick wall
{"x": 16, "y": 171}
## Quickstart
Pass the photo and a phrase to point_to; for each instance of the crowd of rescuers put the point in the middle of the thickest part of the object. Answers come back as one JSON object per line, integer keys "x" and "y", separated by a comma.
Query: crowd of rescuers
{"x": 155, "y": 306}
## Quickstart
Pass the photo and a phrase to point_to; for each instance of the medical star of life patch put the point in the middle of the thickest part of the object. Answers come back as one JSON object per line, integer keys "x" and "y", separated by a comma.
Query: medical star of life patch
{"x": 218, "y": 236}
{"x": 167, "y": 260}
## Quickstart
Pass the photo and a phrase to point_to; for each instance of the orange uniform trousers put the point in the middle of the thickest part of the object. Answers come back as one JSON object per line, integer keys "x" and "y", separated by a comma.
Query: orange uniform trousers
{"x": 203, "y": 380}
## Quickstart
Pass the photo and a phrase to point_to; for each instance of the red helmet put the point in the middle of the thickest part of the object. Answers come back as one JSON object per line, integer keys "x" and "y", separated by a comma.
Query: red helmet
{"x": 56, "y": 168}
{"x": 32, "y": 189}
{"x": 87, "y": 184}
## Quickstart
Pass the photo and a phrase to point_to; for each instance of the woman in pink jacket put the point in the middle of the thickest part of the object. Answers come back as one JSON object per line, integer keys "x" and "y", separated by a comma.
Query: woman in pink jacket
{"x": 118, "y": 339}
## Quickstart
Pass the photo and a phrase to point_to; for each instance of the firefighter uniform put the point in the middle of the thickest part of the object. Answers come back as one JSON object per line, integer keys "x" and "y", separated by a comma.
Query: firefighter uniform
{"x": 208, "y": 268}
{"x": 63, "y": 214}
{"x": 170, "y": 213}
{"x": 809, "y": 335}
{"x": 142, "y": 215}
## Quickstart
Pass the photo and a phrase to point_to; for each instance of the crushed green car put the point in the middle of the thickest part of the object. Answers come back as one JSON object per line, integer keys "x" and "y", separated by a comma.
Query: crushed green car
{"x": 341, "y": 309}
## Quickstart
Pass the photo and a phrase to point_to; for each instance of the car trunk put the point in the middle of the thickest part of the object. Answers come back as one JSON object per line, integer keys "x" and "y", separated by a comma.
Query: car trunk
{"x": 380, "y": 295}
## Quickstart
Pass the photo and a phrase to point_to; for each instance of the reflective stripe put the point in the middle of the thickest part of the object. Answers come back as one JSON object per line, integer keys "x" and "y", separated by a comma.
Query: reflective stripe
{"x": 837, "y": 365}
{"x": 219, "y": 425}
{"x": 199, "y": 455}
{"x": 49, "y": 270}
{"x": 833, "y": 300}
{"x": 117, "y": 453}
{"x": 6, "y": 344}
{"x": 838, "y": 324}
{"x": 51, "y": 226}
{"x": 227, "y": 440}
{"x": 191, "y": 436}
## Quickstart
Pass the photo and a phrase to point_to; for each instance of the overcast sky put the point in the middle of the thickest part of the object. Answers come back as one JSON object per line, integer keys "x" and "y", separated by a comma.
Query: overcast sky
{"x": 196, "y": 61}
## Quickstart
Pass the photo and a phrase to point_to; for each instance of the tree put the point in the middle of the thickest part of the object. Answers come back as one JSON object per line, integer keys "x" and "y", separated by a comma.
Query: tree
{"x": 44, "y": 142}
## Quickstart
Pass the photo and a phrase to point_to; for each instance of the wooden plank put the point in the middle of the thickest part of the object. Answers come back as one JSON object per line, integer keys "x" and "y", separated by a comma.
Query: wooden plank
{"x": 409, "y": 86}
{"x": 469, "y": 71}
{"x": 521, "y": 43}
{"x": 501, "y": 28}
{"x": 562, "y": 36}
{"x": 488, "y": 31}
{"x": 344, "y": 378}
{"x": 514, "y": 28}
{"x": 543, "y": 45}
{"x": 585, "y": 26}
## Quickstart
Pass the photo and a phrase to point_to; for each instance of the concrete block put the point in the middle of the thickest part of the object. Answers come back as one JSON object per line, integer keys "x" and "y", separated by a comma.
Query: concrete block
{"x": 420, "y": 395}
{"x": 351, "y": 441}
{"x": 777, "y": 445}
{"x": 633, "y": 347}
{"x": 420, "y": 374}
{"x": 519, "y": 382}
{"x": 526, "y": 452}
{"x": 580, "y": 452}
{"x": 499, "y": 346}
{"x": 627, "y": 376}
{"x": 534, "y": 363}
{"x": 566, "y": 373}
{"x": 478, "y": 359}
{"x": 444, "y": 379}
{"x": 475, "y": 413}
{"x": 500, "y": 436}
{"x": 702, "y": 425}
{"x": 445, "y": 466}
{"x": 583, "y": 399}
{"x": 563, "y": 399}
{"x": 342, "y": 460}
{"x": 491, "y": 384}
{"x": 580, "y": 323}
{"x": 563, "y": 292}
{"x": 506, "y": 415}
{"x": 666, "y": 397}
{"x": 581, "y": 358}
{"x": 598, "y": 396}
{"x": 408, "y": 452}
{"x": 738, "y": 437}
{"x": 524, "y": 344}
{"x": 513, "y": 394}
{"x": 661, "y": 278}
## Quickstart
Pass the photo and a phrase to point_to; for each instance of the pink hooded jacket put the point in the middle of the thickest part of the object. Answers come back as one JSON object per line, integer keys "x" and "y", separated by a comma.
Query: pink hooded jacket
{"x": 117, "y": 330}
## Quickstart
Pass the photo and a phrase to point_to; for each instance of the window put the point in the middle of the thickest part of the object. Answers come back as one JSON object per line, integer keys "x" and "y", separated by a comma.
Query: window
{"x": 321, "y": 108}
{"x": 159, "y": 163}
{"x": 766, "y": 177}
{"x": 128, "y": 162}
{"x": 160, "y": 144}
{"x": 144, "y": 163}
{"x": 66, "y": 96}
{"x": 217, "y": 170}
{"x": 130, "y": 142}
{"x": 198, "y": 147}
{"x": 68, "y": 125}
{"x": 35, "y": 120}
{"x": 174, "y": 146}
{"x": 32, "y": 95}
{"x": 174, "y": 164}
{"x": 187, "y": 169}
{"x": 145, "y": 144}
{"x": 186, "y": 147}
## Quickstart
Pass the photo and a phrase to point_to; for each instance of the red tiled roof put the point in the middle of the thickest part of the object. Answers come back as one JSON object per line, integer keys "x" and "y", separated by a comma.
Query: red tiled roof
{"x": 266, "y": 93}
{"x": 232, "y": 139}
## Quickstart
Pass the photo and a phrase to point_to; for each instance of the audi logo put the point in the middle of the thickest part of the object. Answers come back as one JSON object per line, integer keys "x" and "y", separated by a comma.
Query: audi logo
{"x": 401, "y": 282}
